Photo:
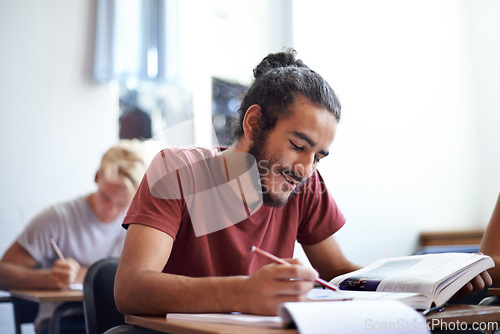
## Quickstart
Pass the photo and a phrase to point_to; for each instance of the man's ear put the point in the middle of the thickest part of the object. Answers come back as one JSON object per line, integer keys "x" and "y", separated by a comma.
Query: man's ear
{"x": 251, "y": 121}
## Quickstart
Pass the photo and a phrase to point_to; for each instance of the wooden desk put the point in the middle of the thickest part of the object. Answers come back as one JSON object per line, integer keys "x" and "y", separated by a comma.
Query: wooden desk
{"x": 42, "y": 296}
{"x": 454, "y": 314}
{"x": 439, "y": 238}
{"x": 69, "y": 299}
{"x": 494, "y": 291}
{"x": 161, "y": 324}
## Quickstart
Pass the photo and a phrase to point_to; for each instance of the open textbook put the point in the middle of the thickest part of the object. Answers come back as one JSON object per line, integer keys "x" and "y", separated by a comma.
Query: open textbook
{"x": 351, "y": 316}
{"x": 420, "y": 281}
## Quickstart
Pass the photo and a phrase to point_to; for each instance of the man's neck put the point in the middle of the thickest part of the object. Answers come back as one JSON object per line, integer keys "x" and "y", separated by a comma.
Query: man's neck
{"x": 91, "y": 201}
{"x": 237, "y": 167}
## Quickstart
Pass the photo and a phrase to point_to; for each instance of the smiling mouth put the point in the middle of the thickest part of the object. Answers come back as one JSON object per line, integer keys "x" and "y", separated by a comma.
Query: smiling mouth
{"x": 290, "y": 180}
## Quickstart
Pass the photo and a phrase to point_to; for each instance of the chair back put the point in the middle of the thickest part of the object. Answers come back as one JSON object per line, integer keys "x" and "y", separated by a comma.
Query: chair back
{"x": 490, "y": 301}
{"x": 99, "y": 305}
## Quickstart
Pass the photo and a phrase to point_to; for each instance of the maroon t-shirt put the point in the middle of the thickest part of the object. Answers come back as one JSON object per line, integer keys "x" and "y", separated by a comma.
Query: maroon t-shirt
{"x": 309, "y": 217}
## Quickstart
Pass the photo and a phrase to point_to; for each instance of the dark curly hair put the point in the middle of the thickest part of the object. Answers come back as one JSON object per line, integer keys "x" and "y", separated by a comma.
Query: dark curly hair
{"x": 279, "y": 79}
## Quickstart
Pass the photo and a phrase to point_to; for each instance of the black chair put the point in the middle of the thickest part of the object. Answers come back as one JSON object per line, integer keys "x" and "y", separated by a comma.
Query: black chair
{"x": 130, "y": 329}
{"x": 68, "y": 310}
{"x": 490, "y": 301}
{"x": 99, "y": 305}
{"x": 101, "y": 314}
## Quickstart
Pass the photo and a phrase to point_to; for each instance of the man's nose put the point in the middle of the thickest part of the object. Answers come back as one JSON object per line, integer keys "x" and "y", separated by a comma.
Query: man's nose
{"x": 305, "y": 167}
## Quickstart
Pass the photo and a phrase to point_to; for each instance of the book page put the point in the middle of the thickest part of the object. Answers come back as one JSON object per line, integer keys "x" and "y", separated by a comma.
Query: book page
{"x": 76, "y": 286}
{"x": 356, "y": 316}
{"x": 352, "y": 316}
{"x": 417, "y": 273}
{"x": 412, "y": 299}
{"x": 450, "y": 286}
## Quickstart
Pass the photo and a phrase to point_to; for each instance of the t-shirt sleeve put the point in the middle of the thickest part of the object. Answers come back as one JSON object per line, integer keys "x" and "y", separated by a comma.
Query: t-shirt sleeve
{"x": 320, "y": 217}
{"x": 35, "y": 238}
{"x": 158, "y": 202}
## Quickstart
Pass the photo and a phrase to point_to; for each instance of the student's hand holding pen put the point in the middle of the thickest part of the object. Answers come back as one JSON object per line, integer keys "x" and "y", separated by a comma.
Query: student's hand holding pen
{"x": 274, "y": 284}
{"x": 64, "y": 271}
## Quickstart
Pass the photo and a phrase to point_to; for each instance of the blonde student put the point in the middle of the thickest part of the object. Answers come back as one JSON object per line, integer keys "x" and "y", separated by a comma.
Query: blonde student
{"x": 57, "y": 246}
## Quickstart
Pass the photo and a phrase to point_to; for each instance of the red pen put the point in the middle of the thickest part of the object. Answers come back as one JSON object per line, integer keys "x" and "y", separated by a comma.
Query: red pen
{"x": 281, "y": 261}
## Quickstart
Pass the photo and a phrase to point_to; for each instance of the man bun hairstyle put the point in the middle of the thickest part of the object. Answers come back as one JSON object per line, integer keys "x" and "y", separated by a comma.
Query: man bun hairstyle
{"x": 279, "y": 79}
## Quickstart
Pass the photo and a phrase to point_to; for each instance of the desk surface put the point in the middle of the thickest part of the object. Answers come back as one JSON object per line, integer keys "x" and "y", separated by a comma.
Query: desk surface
{"x": 468, "y": 314}
{"x": 42, "y": 296}
{"x": 161, "y": 324}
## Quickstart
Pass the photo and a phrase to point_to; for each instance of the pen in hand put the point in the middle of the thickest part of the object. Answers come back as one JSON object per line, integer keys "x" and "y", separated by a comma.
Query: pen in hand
{"x": 75, "y": 286}
{"x": 281, "y": 261}
{"x": 57, "y": 250}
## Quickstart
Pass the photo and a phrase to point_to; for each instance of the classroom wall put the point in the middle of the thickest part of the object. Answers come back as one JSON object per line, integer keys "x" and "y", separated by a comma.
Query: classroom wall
{"x": 55, "y": 122}
{"x": 418, "y": 146}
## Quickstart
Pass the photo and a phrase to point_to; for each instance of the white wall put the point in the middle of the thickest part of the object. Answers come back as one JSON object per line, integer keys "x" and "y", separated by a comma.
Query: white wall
{"x": 483, "y": 34}
{"x": 418, "y": 147}
{"x": 55, "y": 123}
{"x": 226, "y": 39}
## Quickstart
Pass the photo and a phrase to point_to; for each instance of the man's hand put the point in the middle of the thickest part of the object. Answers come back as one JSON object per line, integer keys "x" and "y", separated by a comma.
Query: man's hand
{"x": 63, "y": 273}
{"x": 275, "y": 284}
{"x": 477, "y": 284}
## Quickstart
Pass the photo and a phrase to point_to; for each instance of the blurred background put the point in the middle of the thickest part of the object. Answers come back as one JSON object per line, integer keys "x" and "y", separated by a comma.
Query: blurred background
{"x": 417, "y": 149}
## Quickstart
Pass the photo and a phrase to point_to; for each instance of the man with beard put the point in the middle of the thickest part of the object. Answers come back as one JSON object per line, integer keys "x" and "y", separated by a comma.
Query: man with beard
{"x": 184, "y": 255}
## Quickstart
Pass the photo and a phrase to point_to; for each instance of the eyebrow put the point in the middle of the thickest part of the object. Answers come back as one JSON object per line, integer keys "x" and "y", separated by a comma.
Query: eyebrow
{"x": 309, "y": 141}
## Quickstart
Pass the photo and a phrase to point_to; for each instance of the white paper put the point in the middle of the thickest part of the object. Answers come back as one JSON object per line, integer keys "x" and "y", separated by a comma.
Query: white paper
{"x": 356, "y": 316}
